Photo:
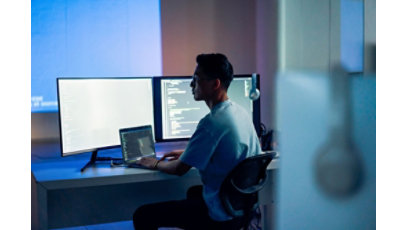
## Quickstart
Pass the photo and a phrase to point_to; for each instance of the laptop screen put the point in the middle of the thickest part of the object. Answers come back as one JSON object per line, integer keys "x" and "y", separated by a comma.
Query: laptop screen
{"x": 137, "y": 142}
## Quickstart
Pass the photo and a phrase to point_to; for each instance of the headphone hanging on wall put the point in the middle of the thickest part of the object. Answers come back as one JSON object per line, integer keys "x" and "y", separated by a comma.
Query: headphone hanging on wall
{"x": 254, "y": 92}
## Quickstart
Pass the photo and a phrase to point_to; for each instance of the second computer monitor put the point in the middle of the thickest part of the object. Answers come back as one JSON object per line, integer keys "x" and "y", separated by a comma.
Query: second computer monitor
{"x": 180, "y": 113}
{"x": 93, "y": 110}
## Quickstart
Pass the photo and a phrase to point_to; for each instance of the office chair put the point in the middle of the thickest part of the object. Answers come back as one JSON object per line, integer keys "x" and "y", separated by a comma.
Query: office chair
{"x": 239, "y": 191}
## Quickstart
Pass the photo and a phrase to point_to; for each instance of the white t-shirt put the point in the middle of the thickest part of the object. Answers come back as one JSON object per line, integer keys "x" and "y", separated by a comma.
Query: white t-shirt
{"x": 223, "y": 138}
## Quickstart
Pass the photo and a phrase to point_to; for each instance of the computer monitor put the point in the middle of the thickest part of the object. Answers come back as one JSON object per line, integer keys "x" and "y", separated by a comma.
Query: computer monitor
{"x": 180, "y": 113}
{"x": 93, "y": 110}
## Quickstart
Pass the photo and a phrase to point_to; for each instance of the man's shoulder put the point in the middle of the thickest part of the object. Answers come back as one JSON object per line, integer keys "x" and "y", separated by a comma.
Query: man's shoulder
{"x": 232, "y": 112}
{"x": 206, "y": 120}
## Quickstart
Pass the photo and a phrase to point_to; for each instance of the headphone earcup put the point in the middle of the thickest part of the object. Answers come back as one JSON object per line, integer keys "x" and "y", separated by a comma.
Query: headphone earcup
{"x": 254, "y": 92}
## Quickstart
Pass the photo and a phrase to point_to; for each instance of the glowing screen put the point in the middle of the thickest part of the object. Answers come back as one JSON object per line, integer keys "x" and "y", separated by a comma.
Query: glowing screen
{"x": 181, "y": 113}
{"x": 92, "y": 111}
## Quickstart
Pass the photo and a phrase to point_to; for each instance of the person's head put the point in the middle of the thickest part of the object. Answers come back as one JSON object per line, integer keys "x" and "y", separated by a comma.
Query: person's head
{"x": 213, "y": 75}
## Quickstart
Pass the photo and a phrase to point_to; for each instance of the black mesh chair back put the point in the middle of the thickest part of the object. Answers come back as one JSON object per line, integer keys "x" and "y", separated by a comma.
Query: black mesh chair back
{"x": 239, "y": 191}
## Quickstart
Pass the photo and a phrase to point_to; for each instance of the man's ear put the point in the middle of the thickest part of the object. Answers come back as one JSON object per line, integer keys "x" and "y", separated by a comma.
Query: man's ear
{"x": 217, "y": 84}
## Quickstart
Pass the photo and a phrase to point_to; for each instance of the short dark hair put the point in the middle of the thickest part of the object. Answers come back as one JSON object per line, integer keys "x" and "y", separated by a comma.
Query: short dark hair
{"x": 216, "y": 65}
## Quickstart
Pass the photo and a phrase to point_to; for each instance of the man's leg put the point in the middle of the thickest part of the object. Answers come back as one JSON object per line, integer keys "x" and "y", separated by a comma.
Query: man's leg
{"x": 195, "y": 192}
{"x": 187, "y": 214}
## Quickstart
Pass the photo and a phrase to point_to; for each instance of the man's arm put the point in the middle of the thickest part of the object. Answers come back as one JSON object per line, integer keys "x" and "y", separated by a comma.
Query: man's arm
{"x": 176, "y": 167}
{"x": 173, "y": 166}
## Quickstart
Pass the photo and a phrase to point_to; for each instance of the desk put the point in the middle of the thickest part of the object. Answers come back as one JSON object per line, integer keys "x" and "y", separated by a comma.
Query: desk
{"x": 66, "y": 197}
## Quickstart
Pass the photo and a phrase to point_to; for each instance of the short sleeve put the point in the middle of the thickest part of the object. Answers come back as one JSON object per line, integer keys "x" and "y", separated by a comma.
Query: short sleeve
{"x": 200, "y": 148}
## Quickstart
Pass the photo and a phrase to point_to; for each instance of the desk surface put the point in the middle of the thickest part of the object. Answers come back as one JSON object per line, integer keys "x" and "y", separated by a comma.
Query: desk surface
{"x": 64, "y": 195}
{"x": 56, "y": 172}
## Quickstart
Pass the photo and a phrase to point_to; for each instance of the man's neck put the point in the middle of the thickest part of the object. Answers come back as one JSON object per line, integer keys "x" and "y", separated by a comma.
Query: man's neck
{"x": 218, "y": 98}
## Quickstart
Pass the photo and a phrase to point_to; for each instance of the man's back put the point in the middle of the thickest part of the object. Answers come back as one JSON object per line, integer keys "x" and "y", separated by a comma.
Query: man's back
{"x": 223, "y": 138}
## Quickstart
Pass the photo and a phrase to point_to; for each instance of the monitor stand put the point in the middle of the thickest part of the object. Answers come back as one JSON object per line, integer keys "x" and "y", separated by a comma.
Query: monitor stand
{"x": 94, "y": 158}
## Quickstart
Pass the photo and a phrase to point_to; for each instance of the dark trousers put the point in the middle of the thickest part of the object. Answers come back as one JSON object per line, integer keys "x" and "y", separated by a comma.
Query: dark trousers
{"x": 191, "y": 213}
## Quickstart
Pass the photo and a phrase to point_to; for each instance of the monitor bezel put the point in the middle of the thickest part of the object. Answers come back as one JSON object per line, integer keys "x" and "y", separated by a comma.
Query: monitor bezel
{"x": 67, "y": 154}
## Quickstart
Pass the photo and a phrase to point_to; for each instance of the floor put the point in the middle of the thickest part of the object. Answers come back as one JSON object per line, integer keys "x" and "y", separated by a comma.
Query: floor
{"x": 123, "y": 225}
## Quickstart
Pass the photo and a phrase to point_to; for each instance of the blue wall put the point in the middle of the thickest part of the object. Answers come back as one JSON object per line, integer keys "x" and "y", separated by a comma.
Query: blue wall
{"x": 91, "y": 38}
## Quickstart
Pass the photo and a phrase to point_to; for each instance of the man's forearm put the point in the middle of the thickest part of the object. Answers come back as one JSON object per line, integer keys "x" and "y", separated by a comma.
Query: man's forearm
{"x": 175, "y": 167}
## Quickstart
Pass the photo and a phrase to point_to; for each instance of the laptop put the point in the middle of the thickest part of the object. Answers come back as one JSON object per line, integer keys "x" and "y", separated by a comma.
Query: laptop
{"x": 136, "y": 142}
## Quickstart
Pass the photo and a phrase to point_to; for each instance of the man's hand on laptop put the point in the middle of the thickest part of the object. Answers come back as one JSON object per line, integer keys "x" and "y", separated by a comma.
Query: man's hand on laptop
{"x": 174, "y": 155}
{"x": 152, "y": 163}
{"x": 148, "y": 162}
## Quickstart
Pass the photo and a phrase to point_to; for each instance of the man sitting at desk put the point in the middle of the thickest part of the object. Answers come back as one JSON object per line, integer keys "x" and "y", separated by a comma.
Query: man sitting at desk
{"x": 222, "y": 139}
